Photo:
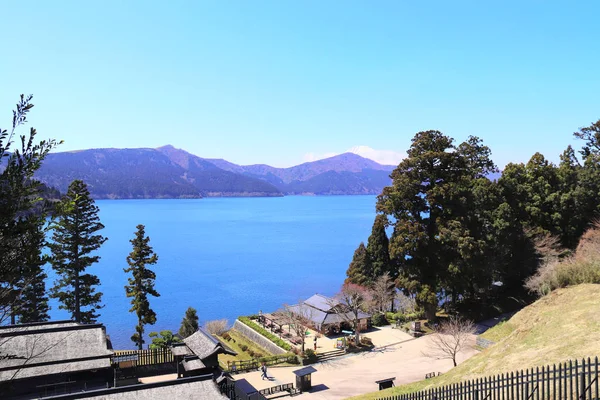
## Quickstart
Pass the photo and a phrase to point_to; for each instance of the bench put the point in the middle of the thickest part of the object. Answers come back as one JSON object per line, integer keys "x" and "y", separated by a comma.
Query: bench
{"x": 430, "y": 375}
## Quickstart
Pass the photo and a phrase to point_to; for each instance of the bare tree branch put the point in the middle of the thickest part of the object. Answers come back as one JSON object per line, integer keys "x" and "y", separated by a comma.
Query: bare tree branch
{"x": 451, "y": 337}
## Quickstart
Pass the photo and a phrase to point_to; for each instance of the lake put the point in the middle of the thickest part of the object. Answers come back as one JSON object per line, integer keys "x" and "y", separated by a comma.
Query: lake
{"x": 227, "y": 256}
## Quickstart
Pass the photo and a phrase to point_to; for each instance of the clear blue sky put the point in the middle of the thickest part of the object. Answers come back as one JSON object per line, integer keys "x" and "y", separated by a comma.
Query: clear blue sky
{"x": 271, "y": 81}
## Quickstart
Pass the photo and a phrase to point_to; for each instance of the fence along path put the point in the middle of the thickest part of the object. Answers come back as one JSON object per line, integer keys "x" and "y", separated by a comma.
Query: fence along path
{"x": 567, "y": 381}
{"x": 138, "y": 358}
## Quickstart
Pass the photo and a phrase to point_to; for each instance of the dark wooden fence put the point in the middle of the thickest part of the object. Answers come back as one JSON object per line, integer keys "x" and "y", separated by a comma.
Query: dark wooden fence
{"x": 139, "y": 358}
{"x": 248, "y": 365}
{"x": 568, "y": 381}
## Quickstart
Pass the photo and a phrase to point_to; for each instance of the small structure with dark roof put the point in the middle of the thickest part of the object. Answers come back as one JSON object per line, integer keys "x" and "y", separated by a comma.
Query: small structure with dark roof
{"x": 199, "y": 354}
{"x": 386, "y": 383}
{"x": 303, "y": 378}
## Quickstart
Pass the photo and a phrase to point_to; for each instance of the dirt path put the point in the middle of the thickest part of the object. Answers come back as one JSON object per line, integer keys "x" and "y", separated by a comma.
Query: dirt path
{"x": 356, "y": 374}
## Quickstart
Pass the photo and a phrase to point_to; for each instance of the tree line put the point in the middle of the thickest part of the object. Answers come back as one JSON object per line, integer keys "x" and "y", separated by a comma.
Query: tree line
{"x": 459, "y": 236}
{"x": 27, "y": 219}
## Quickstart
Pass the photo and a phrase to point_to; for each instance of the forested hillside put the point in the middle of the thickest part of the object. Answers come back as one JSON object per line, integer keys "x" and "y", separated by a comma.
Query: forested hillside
{"x": 472, "y": 242}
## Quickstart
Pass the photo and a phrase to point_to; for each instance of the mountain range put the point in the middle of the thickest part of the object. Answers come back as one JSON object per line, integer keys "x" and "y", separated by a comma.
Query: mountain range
{"x": 167, "y": 172}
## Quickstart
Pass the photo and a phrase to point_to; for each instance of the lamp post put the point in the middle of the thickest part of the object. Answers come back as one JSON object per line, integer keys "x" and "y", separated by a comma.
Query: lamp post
{"x": 260, "y": 318}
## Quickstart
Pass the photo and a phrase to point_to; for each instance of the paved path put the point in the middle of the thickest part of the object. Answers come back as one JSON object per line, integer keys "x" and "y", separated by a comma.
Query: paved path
{"x": 356, "y": 374}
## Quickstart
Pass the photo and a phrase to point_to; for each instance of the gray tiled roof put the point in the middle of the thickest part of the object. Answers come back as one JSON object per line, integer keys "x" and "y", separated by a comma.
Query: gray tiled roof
{"x": 203, "y": 344}
{"x": 179, "y": 389}
{"x": 322, "y": 311}
{"x": 57, "y": 346}
{"x": 193, "y": 364}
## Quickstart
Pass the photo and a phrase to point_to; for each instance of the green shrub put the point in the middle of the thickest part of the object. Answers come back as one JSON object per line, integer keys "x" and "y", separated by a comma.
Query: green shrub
{"x": 250, "y": 352}
{"x": 244, "y": 347}
{"x": 390, "y": 316}
{"x": 226, "y": 336}
{"x": 279, "y": 342}
{"x": 400, "y": 317}
{"x": 378, "y": 320}
{"x": 310, "y": 355}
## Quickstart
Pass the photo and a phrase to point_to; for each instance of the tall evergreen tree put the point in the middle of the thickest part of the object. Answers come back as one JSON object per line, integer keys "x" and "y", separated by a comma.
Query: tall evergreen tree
{"x": 436, "y": 229}
{"x": 32, "y": 304}
{"x": 378, "y": 249}
{"x": 19, "y": 209}
{"x": 75, "y": 238}
{"x": 360, "y": 270}
{"x": 141, "y": 283}
{"x": 189, "y": 325}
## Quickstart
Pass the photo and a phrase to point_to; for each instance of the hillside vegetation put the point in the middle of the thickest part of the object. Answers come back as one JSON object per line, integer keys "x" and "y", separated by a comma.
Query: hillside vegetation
{"x": 563, "y": 325}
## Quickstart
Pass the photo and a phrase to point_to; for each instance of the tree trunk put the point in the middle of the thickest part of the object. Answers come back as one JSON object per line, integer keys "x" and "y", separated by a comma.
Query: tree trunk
{"x": 141, "y": 336}
{"x": 454, "y": 360}
{"x": 77, "y": 312}
{"x": 430, "y": 310}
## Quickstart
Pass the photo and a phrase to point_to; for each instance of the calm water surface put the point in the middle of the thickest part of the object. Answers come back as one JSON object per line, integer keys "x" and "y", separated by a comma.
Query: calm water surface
{"x": 228, "y": 256}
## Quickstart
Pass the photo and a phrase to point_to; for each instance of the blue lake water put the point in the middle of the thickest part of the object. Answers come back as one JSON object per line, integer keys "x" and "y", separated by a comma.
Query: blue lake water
{"x": 228, "y": 256}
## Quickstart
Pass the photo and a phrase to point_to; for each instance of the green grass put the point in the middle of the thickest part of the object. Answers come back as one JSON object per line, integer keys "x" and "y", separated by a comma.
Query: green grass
{"x": 236, "y": 346}
{"x": 560, "y": 326}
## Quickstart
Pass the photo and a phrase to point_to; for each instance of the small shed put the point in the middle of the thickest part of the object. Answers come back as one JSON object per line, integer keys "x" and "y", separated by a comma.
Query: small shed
{"x": 245, "y": 391}
{"x": 303, "y": 378}
{"x": 386, "y": 383}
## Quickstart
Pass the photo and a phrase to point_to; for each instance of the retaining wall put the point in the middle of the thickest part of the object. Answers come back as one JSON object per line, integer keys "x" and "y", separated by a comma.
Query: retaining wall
{"x": 257, "y": 338}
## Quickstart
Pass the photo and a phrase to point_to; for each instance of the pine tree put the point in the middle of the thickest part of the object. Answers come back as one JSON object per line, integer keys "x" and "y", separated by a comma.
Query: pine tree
{"x": 431, "y": 202}
{"x": 360, "y": 270}
{"x": 19, "y": 207}
{"x": 73, "y": 241}
{"x": 189, "y": 324}
{"x": 32, "y": 305}
{"x": 378, "y": 249}
{"x": 141, "y": 283}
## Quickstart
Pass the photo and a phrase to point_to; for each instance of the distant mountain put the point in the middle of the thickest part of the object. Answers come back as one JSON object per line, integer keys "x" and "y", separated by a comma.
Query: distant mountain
{"x": 167, "y": 172}
{"x": 147, "y": 173}
{"x": 346, "y": 173}
{"x": 347, "y": 162}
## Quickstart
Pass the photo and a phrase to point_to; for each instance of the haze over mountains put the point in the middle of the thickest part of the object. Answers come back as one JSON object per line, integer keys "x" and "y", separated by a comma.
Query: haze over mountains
{"x": 167, "y": 172}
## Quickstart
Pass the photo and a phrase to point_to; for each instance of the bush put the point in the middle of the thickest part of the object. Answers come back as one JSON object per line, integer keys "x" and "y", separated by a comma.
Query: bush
{"x": 366, "y": 341}
{"x": 390, "y": 316}
{"x": 279, "y": 342}
{"x": 226, "y": 336}
{"x": 310, "y": 355}
{"x": 244, "y": 347}
{"x": 378, "y": 320}
{"x": 251, "y": 353}
{"x": 258, "y": 355}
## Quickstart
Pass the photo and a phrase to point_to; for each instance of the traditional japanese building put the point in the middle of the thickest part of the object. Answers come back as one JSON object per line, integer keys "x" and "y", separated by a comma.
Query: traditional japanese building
{"x": 53, "y": 357}
{"x": 328, "y": 315}
{"x": 199, "y": 354}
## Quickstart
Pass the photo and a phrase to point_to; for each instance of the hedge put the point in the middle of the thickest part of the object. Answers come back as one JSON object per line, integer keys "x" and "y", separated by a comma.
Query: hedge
{"x": 279, "y": 342}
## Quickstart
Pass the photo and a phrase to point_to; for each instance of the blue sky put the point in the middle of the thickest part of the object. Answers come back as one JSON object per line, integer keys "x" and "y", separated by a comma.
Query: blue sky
{"x": 280, "y": 82}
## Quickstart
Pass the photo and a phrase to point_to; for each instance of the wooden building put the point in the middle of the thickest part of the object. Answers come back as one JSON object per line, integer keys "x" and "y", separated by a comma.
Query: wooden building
{"x": 329, "y": 316}
{"x": 53, "y": 357}
{"x": 199, "y": 354}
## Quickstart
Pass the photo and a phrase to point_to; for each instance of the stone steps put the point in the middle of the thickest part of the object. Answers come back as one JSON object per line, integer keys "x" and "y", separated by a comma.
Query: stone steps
{"x": 328, "y": 355}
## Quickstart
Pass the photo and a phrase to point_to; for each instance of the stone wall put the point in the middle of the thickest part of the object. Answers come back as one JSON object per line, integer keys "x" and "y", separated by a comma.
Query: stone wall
{"x": 257, "y": 338}
{"x": 483, "y": 343}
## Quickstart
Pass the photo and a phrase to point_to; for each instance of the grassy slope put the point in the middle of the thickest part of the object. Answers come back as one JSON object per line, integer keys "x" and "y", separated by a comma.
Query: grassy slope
{"x": 561, "y": 326}
{"x": 235, "y": 346}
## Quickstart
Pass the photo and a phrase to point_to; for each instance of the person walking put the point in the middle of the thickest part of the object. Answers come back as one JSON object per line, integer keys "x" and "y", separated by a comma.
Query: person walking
{"x": 263, "y": 370}
{"x": 315, "y": 341}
